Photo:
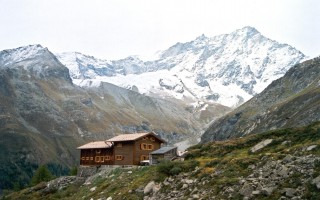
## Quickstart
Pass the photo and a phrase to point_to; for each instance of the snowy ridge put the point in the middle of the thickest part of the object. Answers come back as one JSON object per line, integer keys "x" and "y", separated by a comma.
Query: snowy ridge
{"x": 36, "y": 60}
{"x": 85, "y": 67}
{"x": 228, "y": 69}
{"x": 88, "y": 67}
{"x": 10, "y": 56}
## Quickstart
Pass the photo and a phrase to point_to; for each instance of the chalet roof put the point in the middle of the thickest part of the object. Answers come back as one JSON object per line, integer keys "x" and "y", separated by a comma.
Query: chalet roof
{"x": 132, "y": 137}
{"x": 96, "y": 145}
{"x": 163, "y": 150}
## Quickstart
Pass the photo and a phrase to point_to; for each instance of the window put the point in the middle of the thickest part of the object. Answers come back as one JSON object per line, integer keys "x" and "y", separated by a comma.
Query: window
{"x": 119, "y": 145}
{"x": 145, "y": 146}
{"x": 119, "y": 157}
{"x": 144, "y": 138}
{"x": 144, "y": 157}
{"x": 107, "y": 158}
{"x": 91, "y": 158}
{"x": 87, "y": 158}
{"x": 152, "y": 139}
{"x": 98, "y": 151}
{"x": 101, "y": 158}
{"x": 97, "y": 159}
{"x": 150, "y": 146}
{"x": 83, "y": 158}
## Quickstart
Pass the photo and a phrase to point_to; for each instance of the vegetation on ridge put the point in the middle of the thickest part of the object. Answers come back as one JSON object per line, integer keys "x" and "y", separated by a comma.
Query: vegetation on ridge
{"x": 214, "y": 167}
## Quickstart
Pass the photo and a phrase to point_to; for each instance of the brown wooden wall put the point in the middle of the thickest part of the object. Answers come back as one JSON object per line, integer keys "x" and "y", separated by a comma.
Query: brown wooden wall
{"x": 96, "y": 156}
{"x": 125, "y": 150}
{"x": 131, "y": 152}
{"x": 139, "y": 152}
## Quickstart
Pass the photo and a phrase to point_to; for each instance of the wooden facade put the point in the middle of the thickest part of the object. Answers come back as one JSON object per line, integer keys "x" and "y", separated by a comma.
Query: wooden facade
{"x": 96, "y": 153}
{"x": 143, "y": 147}
{"x": 102, "y": 156}
{"x": 126, "y": 149}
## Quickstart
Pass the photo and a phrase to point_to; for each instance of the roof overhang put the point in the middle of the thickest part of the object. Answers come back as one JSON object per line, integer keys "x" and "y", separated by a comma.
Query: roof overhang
{"x": 133, "y": 137}
{"x": 96, "y": 145}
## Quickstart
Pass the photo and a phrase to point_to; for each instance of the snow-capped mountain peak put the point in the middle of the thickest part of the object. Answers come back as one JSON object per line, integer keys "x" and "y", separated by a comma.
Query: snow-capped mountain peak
{"x": 227, "y": 69}
{"x": 10, "y": 56}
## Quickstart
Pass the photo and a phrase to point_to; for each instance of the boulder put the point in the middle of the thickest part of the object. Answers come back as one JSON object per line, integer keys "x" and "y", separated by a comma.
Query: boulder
{"x": 195, "y": 196}
{"x": 156, "y": 188}
{"x": 309, "y": 148}
{"x": 283, "y": 172}
{"x": 185, "y": 186}
{"x": 188, "y": 181}
{"x": 261, "y": 145}
{"x": 255, "y": 192}
{"x": 289, "y": 192}
{"x": 149, "y": 187}
{"x": 246, "y": 190}
{"x": 267, "y": 190}
{"x": 316, "y": 182}
{"x": 289, "y": 158}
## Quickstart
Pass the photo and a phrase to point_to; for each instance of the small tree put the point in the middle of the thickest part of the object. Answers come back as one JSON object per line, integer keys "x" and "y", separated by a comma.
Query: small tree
{"x": 41, "y": 174}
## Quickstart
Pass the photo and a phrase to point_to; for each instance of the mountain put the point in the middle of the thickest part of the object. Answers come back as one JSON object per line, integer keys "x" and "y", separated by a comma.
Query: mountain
{"x": 44, "y": 116}
{"x": 291, "y": 101}
{"x": 227, "y": 69}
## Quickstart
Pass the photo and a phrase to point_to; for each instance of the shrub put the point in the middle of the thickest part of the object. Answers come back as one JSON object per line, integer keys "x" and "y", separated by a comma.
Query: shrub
{"x": 212, "y": 163}
{"x": 73, "y": 171}
{"x": 195, "y": 153}
{"x": 173, "y": 168}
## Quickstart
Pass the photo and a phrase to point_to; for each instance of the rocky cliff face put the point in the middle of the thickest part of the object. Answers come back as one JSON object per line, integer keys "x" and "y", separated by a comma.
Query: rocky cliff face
{"x": 227, "y": 69}
{"x": 291, "y": 101}
{"x": 44, "y": 116}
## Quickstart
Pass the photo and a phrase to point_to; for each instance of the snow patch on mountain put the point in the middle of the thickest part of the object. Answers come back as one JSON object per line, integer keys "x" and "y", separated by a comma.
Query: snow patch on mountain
{"x": 228, "y": 69}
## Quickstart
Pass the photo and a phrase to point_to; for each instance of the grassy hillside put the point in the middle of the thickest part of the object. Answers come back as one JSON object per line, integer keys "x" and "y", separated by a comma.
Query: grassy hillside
{"x": 288, "y": 167}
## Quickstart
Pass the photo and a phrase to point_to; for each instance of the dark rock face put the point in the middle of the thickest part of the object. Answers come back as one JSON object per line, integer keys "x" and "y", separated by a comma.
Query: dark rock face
{"x": 291, "y": 101}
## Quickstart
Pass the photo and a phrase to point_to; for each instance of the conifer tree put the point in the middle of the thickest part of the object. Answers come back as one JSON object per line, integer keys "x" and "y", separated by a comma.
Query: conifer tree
{"x": 41, "y": 174}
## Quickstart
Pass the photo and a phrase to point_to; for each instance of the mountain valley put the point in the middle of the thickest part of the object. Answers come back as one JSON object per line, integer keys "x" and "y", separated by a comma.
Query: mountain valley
{"x": 219, "y": 88}
{"x": 44, "y": 116}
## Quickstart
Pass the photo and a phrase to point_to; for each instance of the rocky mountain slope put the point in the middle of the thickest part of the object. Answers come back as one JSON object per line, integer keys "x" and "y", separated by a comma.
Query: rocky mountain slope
{"x": 228, "y": 69}
{"x": 286, "y": 167}
{"x": 44, "y": 116}
{"x": 291, "y": 101}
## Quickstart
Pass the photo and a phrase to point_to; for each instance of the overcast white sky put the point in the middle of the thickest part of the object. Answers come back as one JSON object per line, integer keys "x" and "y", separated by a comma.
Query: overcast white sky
{"x": 114, "y": 29}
